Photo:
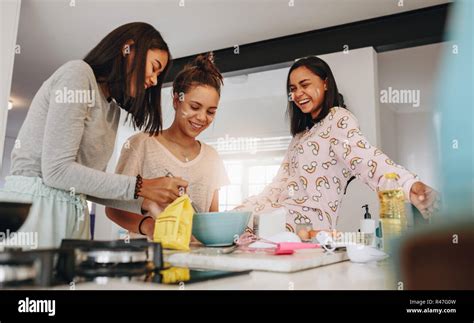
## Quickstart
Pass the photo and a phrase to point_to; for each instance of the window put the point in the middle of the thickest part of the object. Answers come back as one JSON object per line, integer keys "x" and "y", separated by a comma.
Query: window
{"x": 231, "y": 195}
{"x": 247, "y": 177}
{"x": 260, "y": 176}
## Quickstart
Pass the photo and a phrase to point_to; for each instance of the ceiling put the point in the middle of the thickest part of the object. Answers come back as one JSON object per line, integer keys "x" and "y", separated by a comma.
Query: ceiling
{"x": 52, "y": 32}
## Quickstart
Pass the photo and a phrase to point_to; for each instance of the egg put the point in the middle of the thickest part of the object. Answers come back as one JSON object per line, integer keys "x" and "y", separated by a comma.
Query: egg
{"x": 303, "y": 234}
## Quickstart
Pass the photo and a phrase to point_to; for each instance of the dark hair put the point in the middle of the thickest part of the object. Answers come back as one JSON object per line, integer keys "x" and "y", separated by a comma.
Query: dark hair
{"x": 202, "y": 71}
{"x": 110, "y": 67}
{"x": 300, "y": 121}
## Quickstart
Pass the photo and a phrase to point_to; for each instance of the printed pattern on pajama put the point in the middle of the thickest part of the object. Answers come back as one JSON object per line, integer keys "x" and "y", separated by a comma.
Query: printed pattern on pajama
{"x": 317, "y": 165}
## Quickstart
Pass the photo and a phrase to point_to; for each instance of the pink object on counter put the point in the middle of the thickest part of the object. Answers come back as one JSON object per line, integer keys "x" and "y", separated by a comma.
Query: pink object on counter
{"x": 286, "y": 247}
{"x": 279, "y": 252}
{"x": 281, "y": 248}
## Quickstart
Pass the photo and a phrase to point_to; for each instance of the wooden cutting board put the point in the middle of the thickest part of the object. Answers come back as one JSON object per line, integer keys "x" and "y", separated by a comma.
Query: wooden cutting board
{"x": 208, "y": 258}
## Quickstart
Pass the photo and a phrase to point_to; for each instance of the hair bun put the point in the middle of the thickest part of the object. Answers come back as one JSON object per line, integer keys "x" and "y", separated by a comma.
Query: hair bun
{"x": 202, "y": 71}
{"x": 205, "y": 61}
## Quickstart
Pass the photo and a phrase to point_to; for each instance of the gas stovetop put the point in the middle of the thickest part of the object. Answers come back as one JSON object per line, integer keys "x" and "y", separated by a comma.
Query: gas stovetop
{"x": 79, "y": 260}
{"x": 76, "y": 261}
{"x": 117, "y": 258}
{"x": 33, "y": 267}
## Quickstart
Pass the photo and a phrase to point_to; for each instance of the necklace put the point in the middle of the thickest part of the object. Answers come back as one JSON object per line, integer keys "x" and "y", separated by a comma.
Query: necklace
{"x": 180, "y": 148}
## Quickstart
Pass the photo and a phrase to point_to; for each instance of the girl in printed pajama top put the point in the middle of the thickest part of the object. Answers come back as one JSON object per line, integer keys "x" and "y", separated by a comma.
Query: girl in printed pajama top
{"x": 327, "y": 150}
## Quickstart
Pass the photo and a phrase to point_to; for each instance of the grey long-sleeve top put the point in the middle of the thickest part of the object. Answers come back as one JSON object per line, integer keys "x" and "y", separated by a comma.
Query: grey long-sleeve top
{"x": 68, "y": 138}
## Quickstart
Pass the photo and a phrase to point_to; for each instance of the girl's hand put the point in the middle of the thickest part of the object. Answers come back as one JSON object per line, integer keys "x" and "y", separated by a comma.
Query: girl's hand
{"x": 163, "y": 190}
{"x": 195, "y": 241}
{"x": 424, "y": 198}
{"x": 148, "y": 227}
{"x": 151, "y": 207}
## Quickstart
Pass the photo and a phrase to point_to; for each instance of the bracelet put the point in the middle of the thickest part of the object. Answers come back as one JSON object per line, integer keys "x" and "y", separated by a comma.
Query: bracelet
{"x": 140, "y": 225}
{"x": 138, "y": 186}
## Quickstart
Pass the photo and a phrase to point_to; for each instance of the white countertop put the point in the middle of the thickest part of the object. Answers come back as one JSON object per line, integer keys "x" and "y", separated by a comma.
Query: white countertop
{"x": 339, "y": 276}
{"x": 204, "y": 257}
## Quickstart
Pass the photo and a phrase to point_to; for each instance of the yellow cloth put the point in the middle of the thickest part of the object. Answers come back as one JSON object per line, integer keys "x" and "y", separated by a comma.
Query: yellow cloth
{"x": 175, "y": 275}
{"x": 173, "y": 227}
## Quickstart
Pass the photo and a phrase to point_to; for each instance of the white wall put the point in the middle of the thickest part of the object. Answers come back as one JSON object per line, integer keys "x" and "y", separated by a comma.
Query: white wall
{"x": 6, "y": 163}
{"x": 415, "y": 148}
{"x": 407, "y": 131}
{"x": 10, "y": 14}
{"x": 388, "y": 130}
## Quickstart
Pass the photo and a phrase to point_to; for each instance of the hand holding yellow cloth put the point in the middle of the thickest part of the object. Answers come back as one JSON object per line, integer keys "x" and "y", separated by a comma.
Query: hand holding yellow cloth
{"x": 173, "y": 227}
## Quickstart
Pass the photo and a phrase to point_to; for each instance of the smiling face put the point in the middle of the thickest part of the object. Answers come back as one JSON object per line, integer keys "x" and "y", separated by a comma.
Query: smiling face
{"x": 196, "y": 110}
{"x": 307, "y": 90}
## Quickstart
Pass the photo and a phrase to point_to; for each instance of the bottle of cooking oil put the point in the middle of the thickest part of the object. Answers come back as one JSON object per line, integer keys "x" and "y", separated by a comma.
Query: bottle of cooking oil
{"x": 392, "y": 208}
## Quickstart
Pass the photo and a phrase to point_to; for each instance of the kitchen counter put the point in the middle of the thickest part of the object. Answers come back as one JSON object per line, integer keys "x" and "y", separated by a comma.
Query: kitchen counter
{"x": 339, "y": 276}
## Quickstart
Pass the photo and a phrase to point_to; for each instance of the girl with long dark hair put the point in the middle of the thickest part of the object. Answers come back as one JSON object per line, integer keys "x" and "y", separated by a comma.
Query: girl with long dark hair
{"x": 69, "y": 133}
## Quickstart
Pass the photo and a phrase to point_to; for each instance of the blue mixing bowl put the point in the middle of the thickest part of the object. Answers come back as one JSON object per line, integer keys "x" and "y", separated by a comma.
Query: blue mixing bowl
{"x": 218, "y": 229}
